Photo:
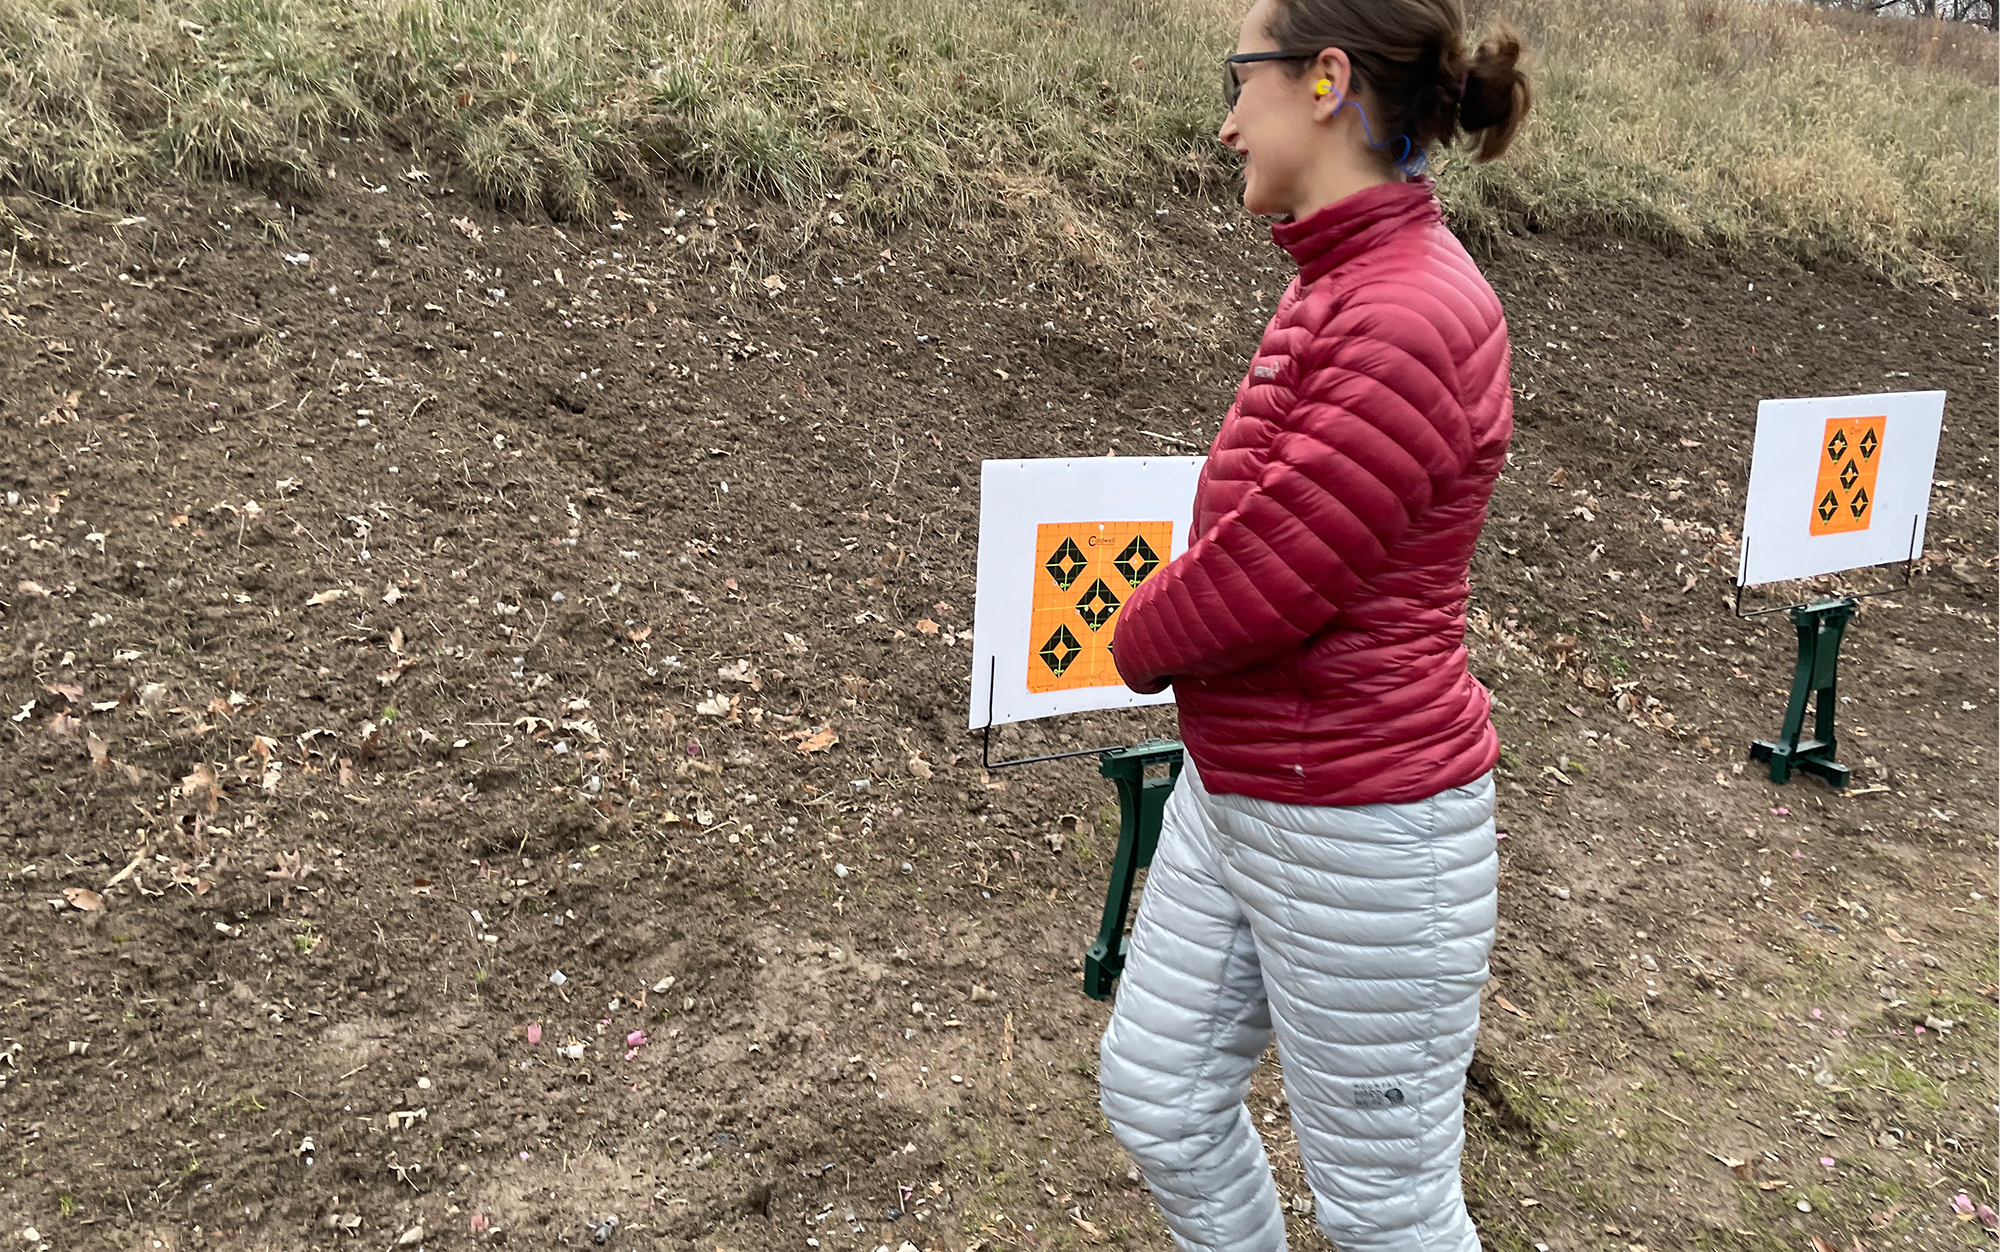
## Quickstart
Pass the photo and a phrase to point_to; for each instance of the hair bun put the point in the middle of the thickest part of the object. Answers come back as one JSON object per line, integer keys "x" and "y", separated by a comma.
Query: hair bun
{"x": 1497, "y": 94}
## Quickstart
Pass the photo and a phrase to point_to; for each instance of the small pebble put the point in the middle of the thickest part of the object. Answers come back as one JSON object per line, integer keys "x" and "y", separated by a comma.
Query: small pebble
{"x": 557, "y": 979}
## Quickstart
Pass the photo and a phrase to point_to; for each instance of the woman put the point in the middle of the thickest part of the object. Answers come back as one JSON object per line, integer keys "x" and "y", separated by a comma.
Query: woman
{"x": 1327, "y": 870}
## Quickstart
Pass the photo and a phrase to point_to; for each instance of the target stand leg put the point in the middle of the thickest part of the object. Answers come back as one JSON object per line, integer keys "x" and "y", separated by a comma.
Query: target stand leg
{"x": 1142, "y": 806}
{"x": 1821, "y": 627}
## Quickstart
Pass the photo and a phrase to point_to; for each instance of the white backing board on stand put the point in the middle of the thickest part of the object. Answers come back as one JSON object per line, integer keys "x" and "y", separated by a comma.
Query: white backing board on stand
{"x": 1838, "y": 483}
{"x": 1017, "y": 500}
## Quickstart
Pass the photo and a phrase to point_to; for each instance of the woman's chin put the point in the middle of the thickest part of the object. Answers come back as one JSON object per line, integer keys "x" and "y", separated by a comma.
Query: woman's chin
{"x": 1258, "y": 201}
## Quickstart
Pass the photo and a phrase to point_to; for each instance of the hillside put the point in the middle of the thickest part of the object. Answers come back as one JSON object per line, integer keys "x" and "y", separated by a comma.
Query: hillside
{"x": 486, "y": 693}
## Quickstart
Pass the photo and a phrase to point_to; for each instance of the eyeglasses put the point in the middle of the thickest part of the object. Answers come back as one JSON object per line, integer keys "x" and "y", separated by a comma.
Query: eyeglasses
{"x": 1232, "y": 86}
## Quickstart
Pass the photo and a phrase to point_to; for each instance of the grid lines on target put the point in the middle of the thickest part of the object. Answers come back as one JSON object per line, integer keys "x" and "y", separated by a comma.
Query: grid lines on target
{"x": 1085, "y": 572}
{"x": 1850, "y": 453}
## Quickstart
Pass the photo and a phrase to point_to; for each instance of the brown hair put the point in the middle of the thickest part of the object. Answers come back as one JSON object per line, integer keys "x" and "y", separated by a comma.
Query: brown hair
{"x": 1411, "y": 56}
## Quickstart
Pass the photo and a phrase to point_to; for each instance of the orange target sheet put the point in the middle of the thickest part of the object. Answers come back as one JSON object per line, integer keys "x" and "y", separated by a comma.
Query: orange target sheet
{"x": 1085, "y": 572}
{"x": 1850, "y": 453}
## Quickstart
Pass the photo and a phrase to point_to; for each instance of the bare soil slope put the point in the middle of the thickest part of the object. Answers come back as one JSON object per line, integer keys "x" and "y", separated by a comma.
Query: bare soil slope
{"x": 432, "y": 641}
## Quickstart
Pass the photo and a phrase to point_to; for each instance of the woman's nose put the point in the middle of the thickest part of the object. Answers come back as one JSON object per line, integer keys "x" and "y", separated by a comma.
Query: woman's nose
{"x": 1227, "y": 135}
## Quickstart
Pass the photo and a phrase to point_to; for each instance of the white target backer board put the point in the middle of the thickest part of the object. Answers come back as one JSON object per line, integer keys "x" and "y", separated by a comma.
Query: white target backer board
{"x": 1838, "y": 483}
{"x": 1063, "y": 543}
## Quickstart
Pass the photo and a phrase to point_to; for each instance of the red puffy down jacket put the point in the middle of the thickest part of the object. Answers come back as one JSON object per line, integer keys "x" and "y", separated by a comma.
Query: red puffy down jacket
{"x": 1314, "y": 631}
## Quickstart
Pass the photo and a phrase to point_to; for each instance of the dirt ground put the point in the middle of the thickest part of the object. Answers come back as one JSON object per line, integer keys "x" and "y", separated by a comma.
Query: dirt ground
{"x": 485, "y": 744}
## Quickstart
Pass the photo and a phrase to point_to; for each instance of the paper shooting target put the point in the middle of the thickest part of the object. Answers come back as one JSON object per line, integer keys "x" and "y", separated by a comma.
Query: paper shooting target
{"x": 1085, "y": 573}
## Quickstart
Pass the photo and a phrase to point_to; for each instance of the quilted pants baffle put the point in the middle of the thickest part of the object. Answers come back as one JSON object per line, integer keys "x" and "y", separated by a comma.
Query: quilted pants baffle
{"x": 1359, "y": 937}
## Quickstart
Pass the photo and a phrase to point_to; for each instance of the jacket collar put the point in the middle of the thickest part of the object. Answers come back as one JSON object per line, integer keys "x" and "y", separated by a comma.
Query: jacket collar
{"x": 1353, "y": 225}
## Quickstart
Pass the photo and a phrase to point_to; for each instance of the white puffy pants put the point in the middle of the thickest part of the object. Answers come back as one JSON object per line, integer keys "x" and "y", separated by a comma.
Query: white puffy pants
{"x": 1359, "y": 937}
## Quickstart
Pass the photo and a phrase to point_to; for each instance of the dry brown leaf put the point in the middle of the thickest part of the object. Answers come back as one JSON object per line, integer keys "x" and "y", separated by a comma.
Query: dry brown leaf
{"x": 202, "y": 787}
{"x": 28, "y": 587}
{"x": 818, "y": 742}
{"x": 389, "y": 676}
{"x": 1772, "y": 1184}
{"x": 468, "y": 228}
{"x": 1507, "y": 1004}
{"x": 396, "y": 641}
{"x": 290, "y": 867}
{"x": 324, "y": 597}
{"x": 927, "y": 626}
{"x": 100, "y": 754}
{"x": 83, "y": 898}
{"x": 262, "y": 748}
{"x": 63, "y": 726}
{"x": 63, "y": 413}
{"x": 920, "y": 769}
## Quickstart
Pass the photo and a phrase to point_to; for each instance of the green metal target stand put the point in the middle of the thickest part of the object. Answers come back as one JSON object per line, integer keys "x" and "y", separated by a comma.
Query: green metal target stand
{"x": 1821, "y": 625}
{"x": 1144, "y": 775}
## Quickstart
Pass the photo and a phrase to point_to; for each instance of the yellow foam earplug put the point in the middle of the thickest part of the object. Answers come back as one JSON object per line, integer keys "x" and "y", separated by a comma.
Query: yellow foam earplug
{"x": 1323, "y": 86}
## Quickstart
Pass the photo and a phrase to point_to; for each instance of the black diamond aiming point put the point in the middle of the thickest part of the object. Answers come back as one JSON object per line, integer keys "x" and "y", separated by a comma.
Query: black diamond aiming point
{"x": 1066, "y": 564}
{"x": 1097, "y": 605}
{"x": 1060, "y": 651}
{"x": 1137, "y": 562}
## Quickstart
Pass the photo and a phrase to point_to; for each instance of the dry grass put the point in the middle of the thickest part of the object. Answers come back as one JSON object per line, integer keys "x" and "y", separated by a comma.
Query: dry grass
{"x": 1754, "y": 125}
{"x": 1714, "y": 121}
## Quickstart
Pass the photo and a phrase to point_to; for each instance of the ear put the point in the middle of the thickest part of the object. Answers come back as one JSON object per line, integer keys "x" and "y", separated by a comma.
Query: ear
{"x": 1332, "y": 67}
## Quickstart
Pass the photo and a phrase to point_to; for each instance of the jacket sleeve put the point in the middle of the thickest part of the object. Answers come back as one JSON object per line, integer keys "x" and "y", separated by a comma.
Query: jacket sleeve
{"x": 1375, "y": 436}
